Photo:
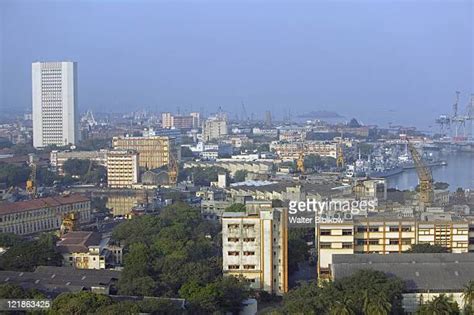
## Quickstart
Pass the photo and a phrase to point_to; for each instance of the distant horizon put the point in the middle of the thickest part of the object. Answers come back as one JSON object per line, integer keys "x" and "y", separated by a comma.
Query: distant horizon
{"x": 393, "y": 62}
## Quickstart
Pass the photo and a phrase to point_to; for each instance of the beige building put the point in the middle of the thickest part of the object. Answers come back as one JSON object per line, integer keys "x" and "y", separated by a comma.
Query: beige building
{"x": 154, "y": 151}
{"x": 254, "y": 246}
{"x": 87, "y": 250}
{"x": 385, "y": 236}
{"x": 122, "y": 168}
{"x": 42, "y": 214}
{"x": 292, "y": 150}
{"x": 214, "y": 128}
{"x": 57, "y": 158}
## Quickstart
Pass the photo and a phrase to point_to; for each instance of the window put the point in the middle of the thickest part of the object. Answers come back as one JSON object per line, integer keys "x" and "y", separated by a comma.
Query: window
{"x": 393, "y": 229}
{"x": 249, "y": 226}
{"x": 361, "y": 242}
{"x": 361, "y": 229}
{"x": 249, "y": 239}
{"x": 394, "y": 242}
{"x": 373, "y": 242}
{"x": 373, "y": 229}
{"x": 346, "y": 232}
{"x": 232, "y": 226}
{"x": 233, "y": 267}
{"x": 233, "y": 253}
{"x": 248, "y": 267}
{"x": 249, "y": 253}
{"x": 406, "y": 241}
{"x": 233, "y": 239}
{"x": 325, "y": 245}
{"x": 406, "y": 228}
{"x": 325, "y": 232}
{"x": 346, "y": 245}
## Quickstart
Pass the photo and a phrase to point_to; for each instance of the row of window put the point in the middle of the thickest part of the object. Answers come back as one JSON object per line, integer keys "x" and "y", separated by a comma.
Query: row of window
{"x": 236, "y": 267}
{"x": 237, "y": 253}
{"x": 236, "y": 239}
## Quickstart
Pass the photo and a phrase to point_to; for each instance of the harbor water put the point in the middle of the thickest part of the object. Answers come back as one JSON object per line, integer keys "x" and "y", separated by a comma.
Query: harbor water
{"x": 458, "y": 173}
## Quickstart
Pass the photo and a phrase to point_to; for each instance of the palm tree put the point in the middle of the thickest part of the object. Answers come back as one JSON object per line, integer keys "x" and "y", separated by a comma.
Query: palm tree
{"x": 441, "y": 305}
{"x": 342, "y": 308}
{"x": 376, "y": 304}
{"x": 468, "y": 293}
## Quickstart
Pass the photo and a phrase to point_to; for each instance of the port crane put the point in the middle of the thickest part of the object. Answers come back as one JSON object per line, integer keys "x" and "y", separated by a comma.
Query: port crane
{"x": 31, "y": 182}
{"x": 457, "y": 122}
{"x": 425, "y": 177}
{"x": 173, "y": 170}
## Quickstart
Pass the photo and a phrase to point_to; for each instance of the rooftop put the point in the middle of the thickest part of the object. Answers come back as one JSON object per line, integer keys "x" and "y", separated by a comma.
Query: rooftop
{"x": 41, "y": 203}
{"x": 440, "y": 272}
{"x": 78, "y": 241}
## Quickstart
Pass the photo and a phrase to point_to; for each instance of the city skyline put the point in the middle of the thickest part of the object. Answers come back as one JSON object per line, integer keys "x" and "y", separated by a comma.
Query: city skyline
{"x": 378, "y": 66}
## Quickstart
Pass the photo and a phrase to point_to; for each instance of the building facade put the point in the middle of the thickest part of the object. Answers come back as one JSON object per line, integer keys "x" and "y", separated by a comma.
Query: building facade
{"x": 42, "y": 214}
{"x": 122, "y": 168}
{"x": 214, "y": 128}
{"x": 292, "y": 150}
{"x": 57, "y": 158}
{"x": 385, "y": 236}
{"x": 255, "y": 247}
{"x": 54, "y": 100}
{"x": 154, "y": 151}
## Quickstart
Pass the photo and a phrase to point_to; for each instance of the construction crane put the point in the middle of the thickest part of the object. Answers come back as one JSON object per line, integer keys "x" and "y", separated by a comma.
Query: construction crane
{"x": 31, "y": 182}
{"x": 172, "y": 169}
{"x": 424, "y": 176}
{"x": 300, "y": 162}
{"x": 69, "y": 222}
{"x": 340, "y": 154}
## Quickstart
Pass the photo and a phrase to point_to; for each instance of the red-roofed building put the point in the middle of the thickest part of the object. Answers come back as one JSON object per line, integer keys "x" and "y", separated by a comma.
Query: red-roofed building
{"x": 42, "y": 214}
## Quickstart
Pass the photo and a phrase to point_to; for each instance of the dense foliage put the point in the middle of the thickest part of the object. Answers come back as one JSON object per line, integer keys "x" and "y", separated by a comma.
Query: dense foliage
{"x": 176, "y": 254}
{"x": 202, "y": 176}
{"x": 87, "y": 171}
{"x": 13, "y": 175}
{"x": 27, "y": 255}
{"x": 427, "y": 248}
{"x": 366, "y": 292}
{"x": 440, "y": 305}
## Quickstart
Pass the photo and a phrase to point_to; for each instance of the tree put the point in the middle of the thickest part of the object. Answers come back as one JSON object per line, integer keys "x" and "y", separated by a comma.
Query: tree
{"x": 468, "y": 295}
{"x": 10, "y": 239}
{"x": 298, "y": 249}
{"x": 236, "y": 207}
{"x": 79, "y": 303}
{"x": 26, "y": 256}
{"x": 186, "y": 152}
{"x": 376, "y": 304}
{"x": 76, "y": 167}
{"x": 223, "y": 295}
{"x": 240, "y": 175}
{"x": 427, "y": 248}
{"x": 13, "y": 291}
{"x": 440, "y": 305}
{"x": 13, "y": 175}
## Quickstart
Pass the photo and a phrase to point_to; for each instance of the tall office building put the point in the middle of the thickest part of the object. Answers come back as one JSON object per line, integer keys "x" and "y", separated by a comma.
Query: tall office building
{"x": 54, "y": 98}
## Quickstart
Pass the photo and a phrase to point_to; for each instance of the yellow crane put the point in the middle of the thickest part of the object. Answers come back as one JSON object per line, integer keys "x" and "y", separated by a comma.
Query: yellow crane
{"x": 31, "y": 182}
{"x": 173, "y": 170}
{"x": 340, "y": 153}
{"x": 300, "y": 162}
{"x": 424, "y": 176}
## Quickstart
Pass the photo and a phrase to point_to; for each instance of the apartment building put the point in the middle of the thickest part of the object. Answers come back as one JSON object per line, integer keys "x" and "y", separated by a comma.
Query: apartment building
{"x": 57, "y": 158}
{"x": 190, "y": 121}
{"x": 154, "y": 151}
{"x": 42, "y": 214}
{"x": 122, "y": 168}
{"x": 214, "y": 128}
{"x": 385, "y": 235}
{"x": 255, "y": 247}
{"x": 292, "y": 150}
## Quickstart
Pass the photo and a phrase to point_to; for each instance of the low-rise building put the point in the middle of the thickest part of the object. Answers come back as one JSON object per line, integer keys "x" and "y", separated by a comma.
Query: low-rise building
{"x": 88, "y": 250}
{"x": 254, "y": 246}
{"x": 426, "y": 276}
{"x": 57, "y": 158}
{"x": 292, "y": 150}
{"x": 42, "y": 214}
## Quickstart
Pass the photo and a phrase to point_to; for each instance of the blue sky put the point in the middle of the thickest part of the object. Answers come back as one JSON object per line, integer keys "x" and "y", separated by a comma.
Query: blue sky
{"x": 379, "y": 61}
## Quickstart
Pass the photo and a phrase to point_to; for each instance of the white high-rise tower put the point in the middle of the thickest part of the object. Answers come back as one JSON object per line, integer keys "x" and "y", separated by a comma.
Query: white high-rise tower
{"x": 54, "y": 97}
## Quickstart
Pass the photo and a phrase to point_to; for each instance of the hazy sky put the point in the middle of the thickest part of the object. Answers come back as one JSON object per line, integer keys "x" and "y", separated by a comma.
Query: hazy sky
{"x": 380, "y": 61}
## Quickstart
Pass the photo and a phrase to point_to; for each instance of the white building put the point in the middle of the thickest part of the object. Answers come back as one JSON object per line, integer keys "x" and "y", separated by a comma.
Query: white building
{"x": 54, "y": 99}
{"x": 254, "y": 246}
